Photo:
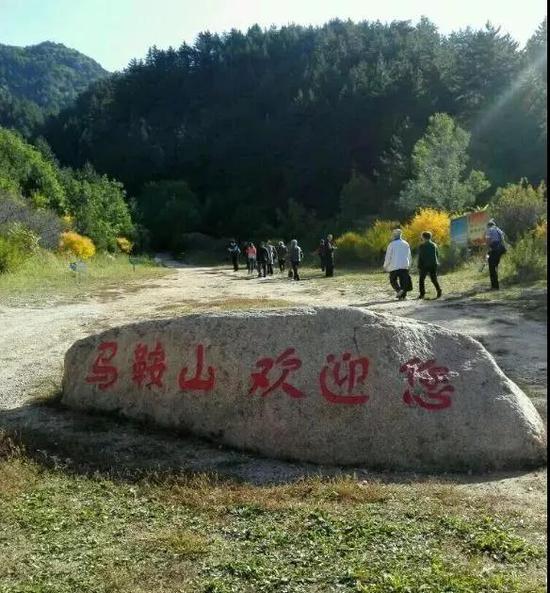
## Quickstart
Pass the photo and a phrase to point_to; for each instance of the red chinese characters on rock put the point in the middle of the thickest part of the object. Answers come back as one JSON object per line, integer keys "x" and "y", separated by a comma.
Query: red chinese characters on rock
{"x": 342, "y": 381}
{"x": 103, "y": 373}
{"x": 284, "y": 364}
{"x": 428, "y": 384}
{"x": 149, "y": 365}
{"x": 198, "y": 382}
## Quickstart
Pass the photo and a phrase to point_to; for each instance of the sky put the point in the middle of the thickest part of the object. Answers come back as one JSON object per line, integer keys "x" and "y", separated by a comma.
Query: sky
{"x": 115, "y": 31}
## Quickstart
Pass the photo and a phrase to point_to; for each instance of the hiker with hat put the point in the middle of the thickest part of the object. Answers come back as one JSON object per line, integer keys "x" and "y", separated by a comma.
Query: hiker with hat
{"x": 282, "y": 252}
{"x": 496, "y": 248}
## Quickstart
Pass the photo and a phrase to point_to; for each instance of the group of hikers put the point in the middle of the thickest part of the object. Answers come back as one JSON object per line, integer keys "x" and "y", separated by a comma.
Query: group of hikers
{"x": 263, "y": 258}
{"x": 397, "y": 261}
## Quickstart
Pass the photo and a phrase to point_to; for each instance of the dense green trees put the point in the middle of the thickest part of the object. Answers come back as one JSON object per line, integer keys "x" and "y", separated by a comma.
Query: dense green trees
{"x": 253, "y": 120}
{"x": 35, "y": 192}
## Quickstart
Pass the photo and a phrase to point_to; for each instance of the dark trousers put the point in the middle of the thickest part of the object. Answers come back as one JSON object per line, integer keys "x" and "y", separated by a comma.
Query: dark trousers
{"x": 399, "y": 280}
{"x": 322, "y": 263}
{"x": 282, "y": 263}
{"x": 262, "y": 269}
{"x": 493, "y": 261}
{"x": 295, "y": 274}
{"x": 329, "y": 268}
{"x": 270, "y": 268}
{"x": 432, "y": 273}
{"x": 251, "y": 265}
{"x": 235, "y": 261}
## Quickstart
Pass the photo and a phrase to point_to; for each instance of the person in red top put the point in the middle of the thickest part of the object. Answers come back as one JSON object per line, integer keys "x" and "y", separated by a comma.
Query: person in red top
{"x": 251, "y": 258}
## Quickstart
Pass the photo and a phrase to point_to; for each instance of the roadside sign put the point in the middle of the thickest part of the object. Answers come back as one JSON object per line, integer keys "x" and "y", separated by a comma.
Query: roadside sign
{"x": 477, "y": 226}
{"x": 469, "y": 229}
{"x": 459, "y": 230}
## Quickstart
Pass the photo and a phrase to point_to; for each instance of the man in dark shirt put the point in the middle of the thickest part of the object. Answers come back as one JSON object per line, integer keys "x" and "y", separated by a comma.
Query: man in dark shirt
{"x": 263, "y": 258}
{"x": 497, "y": 248}
{"x": 427, "y": 264}
{"x": 329, "y": 256}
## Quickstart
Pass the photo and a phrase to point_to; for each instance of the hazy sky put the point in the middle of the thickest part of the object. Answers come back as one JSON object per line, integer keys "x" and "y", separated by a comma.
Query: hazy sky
{"x": 114, "y": 31}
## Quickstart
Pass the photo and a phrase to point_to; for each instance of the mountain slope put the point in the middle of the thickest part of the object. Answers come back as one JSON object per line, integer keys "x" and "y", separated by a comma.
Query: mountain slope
{"x": 48, "y": 74}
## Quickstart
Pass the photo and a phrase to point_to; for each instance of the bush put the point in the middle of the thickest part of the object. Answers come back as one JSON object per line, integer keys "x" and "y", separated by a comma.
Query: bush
{"x": 82, "y": 247}
{"x": 438, "y": 222}
{"x": 518, "y": 208}
{"x": 97, "y": 206}
{"x": 45, "y": 224}
{"x": 124, "y": 244}
{"x": 352, "y": 247}
{"x": 24, "y": 236}
{"x": 525, "y": 262}
{"x": 12, "y": 254}
{"x": 377, "y": 238}
{"x": 452, "y": 257}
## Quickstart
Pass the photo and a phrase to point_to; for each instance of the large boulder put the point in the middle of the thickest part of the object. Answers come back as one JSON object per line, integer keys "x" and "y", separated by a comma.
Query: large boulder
{"x": 328, "y": 385}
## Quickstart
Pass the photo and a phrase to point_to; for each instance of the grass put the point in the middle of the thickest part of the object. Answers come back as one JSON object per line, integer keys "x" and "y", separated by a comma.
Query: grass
{"x": 62, "y": 533}
{"x": 46, "y": 276}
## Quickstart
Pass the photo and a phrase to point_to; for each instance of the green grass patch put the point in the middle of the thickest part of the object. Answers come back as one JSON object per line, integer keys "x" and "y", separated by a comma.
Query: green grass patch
{"x": 62, "y": 533}
{"x": 47, "y": 276}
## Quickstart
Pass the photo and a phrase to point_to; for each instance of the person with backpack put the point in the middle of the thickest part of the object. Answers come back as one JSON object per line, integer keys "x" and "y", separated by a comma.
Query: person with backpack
{"x": 262, "y": 259}
{"x": 234, "y": 253}
{"x": 296, "y": 255}
{"x": 329, "y": 256}
{"x": 397, "y": 262}
{"x": 251, "y": 258}
{"x": 496, "y": 248}
{"x": 282, "y": 252}
{"x": 427, "y": 264}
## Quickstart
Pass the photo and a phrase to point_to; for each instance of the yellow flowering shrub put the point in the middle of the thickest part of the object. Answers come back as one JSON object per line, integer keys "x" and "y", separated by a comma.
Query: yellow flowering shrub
{"x": 351, "y": 246}
{"x": 438, "y": 222}
{"x": 378, "y": 236}
{"x": 541, "y": 231}
{"x": 71, "y": 242}
{"x": 67, "y": 221}
{"x": 124, "y": 244}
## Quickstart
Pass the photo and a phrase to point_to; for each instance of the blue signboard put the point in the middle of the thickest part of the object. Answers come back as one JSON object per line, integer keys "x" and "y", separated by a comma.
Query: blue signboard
{"x": 459, "y": 230}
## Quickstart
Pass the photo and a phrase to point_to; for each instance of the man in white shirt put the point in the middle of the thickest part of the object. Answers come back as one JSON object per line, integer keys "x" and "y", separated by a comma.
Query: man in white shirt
{"x": 397, "y": 262}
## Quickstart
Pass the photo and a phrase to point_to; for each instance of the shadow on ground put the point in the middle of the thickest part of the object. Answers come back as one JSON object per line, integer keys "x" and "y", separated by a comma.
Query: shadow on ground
{"x": 124, "y": 450}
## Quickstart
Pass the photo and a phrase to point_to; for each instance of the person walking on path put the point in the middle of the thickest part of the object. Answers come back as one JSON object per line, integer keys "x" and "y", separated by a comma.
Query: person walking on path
{"x": 494, "y": 238}
{"x": 329, "y": 256}
{"x": 234, "y": 252}
{"x": 282, "y": 252}
{"x": 262, "y": 258}
{"x": 272, "y": 256}
{"x": 397, "y": 262}
{"x": 427, "y": 264}
{"x": 322, "y": 255}
{"x": 251, "y": 258}
{"x": 296, "y": 255}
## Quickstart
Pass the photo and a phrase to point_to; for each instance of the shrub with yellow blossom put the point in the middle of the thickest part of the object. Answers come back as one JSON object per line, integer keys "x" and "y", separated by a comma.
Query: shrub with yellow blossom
{"x": 351, "y": 247}
{"x": 377, "y": 238}
{"x": 124, "y": 244}
{"x": 437, "y": 222}
{"x": 71, "y": 242}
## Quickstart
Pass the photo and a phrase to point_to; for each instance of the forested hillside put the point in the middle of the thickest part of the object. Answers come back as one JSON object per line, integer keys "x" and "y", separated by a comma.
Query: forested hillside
{"x": 255, "y": 121}
{"x": 39, "y": 80}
